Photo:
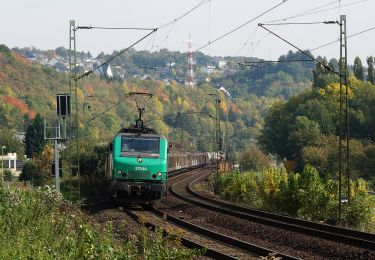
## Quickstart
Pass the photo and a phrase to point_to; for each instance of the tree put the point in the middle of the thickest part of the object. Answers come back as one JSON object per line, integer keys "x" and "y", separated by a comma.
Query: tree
{"x": 370, "y": 69}
{"x": 254, "y": 159}
{"x": 358, "y": 68}
{"x": 322, "y": 77}
{"x": 303, "y": 133}
{"x": 34, "y": 137}
{"x": 12, "y": 144}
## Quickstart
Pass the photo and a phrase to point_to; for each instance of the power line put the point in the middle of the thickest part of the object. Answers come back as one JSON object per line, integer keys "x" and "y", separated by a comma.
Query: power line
{"x": 304, "y": 52}
{"x": 131, "y": 94}
{"x": 316, "y": 10}
{"x": 185, "y": 14}
{"x": 112, "y": 28}
{"x": 240, "y": 26}
{"x": 234, "y": 30}
{"x": 336, "y": 7}
{"x": 324, "y": 45}
{"x": 272, "y": 61}
{"x": 115, "y": 56}
{"x": 303, "y": 23}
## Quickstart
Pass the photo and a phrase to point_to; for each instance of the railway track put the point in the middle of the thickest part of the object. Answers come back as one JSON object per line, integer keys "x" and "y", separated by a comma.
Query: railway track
{"x": 259, "y": 230}
{"x": 337, "y": 234}
{"x": 153, "y": 224}
{"x": 231, "y": 241}
{"x": 239, "y": 233}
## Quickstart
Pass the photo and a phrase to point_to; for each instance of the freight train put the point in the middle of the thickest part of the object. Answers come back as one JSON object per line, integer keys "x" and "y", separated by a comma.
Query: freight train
{"x": 139, "y": 160}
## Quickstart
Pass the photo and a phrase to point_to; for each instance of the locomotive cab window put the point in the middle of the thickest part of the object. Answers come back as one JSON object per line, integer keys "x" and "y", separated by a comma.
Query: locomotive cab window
{"x": 143, "y": 146}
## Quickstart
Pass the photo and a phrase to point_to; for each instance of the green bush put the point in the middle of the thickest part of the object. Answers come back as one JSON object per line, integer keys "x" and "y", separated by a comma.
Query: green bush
{"x": 39, "y": 224}
{"x": 8, "y": 175}
{"x": 254, "y": 159}
{"x": 304, "y": 195}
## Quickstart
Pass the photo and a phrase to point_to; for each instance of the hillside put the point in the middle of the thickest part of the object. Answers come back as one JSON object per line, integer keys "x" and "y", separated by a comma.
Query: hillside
{"x": 282, "y": 79}
{"x": 27, "y": 88}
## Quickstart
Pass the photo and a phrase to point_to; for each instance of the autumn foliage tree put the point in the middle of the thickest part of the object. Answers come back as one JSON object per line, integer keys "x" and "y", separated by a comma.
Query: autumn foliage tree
{"x": 254, "y": 159}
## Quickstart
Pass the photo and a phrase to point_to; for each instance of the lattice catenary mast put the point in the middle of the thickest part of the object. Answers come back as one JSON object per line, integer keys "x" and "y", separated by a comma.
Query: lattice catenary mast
{"x": 190, "y": 74}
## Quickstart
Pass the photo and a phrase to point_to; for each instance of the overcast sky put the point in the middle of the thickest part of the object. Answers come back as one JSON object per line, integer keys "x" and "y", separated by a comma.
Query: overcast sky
{"x": 44, "y": 24}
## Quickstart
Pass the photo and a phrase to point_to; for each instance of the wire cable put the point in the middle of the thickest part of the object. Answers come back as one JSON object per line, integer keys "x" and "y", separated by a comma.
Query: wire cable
{"x": 316, "y": 10}
{"x": 112, "y": 28}
{"x": 317, "y": 48}
{"x": 240, "y": 26}
{"x": 113, "y": 57}
{"x": 185, "y": 14}
{"x": 233, "y": 30}
{"x": 131, "y": 94}
{"x": 272, "y": 61}
{"x": 303, "y": 23}
{"x": 304, "y": 52}
{"x": 336, "y": 7}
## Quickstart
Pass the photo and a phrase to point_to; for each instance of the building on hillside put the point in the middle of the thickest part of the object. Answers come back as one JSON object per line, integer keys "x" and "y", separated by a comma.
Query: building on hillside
{"x": 104, "y": 71}
{"x": 222, "y": 64}
{"x": 210, "y": 69}
{"x": 19, "y": 136}
{"x": 11, "y": 163}
{"x": 225, "y": 91}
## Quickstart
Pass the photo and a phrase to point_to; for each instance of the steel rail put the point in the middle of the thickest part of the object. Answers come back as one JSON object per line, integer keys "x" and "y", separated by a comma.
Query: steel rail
{"x": 337, "y": 234}
{"x": 262, "y": 251}
{"x": 184, "y": 241}
{"x": 227, "y": 239}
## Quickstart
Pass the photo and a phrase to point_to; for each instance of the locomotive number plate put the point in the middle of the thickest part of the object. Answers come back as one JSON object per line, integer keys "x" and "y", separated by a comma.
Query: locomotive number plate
{"x": 140, "y": 168}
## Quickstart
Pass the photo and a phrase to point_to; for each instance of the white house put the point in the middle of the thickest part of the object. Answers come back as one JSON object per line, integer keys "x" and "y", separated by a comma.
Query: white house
{"x": 11, "y": 163}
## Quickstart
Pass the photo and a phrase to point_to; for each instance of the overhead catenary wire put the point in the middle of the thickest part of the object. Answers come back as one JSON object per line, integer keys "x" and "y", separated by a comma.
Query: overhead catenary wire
{"x": 252, "y": 36}
{"x": 288, "y": 18}
{"x": 349, "y": 36}
{"x": 185, "y": 14}
{"x": 112, "y": 28}
{"x": 316, "y": 10}
{"x": 272, "y": 61}
{"x": 302, "y": 51}
{"x": 233, "y": 30}
{"x": 319, "y": 47}
{"x": 153, "y": 30}
{"x": 336, "y": 7}
{"x": 303, "y": 23}
{"x": 240, "y": 26}
{"x": 114, "y": 56}
{"x": 131, "y": 94}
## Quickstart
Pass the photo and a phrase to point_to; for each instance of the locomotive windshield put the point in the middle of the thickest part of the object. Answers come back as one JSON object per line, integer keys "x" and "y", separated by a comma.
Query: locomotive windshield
{"x": 148, "y": 146}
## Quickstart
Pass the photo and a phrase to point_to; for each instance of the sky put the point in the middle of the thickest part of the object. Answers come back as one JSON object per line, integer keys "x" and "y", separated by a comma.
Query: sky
{"x": 44, "y": 24}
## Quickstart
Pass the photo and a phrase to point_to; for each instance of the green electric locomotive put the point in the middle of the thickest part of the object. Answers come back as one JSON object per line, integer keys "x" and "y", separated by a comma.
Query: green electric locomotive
{"x": 137, "y": 164}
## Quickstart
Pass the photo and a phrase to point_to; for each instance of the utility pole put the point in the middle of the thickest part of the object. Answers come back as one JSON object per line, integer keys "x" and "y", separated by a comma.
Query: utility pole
{"x": 217, "y": 129}
{"x": 73, "y": 91}
{"x": 344, "y": 117}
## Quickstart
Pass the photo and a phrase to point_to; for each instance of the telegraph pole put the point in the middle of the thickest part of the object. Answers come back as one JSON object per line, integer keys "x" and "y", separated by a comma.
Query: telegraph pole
{"x": 344, "y": 117}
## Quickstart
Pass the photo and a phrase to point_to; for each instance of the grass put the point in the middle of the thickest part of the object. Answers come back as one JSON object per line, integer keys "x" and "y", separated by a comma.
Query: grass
{"x": 41, "y": 224}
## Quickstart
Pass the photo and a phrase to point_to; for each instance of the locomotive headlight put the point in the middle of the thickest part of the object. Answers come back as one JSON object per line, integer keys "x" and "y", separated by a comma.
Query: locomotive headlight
{"x": 139, "y": 160}
{"x": 119, "y": 172}
{"x": 158, "y": 174}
